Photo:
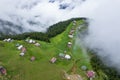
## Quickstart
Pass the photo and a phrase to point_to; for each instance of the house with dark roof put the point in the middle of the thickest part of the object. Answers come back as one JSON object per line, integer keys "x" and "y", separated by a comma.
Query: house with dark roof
{"x": 3, "y": 70}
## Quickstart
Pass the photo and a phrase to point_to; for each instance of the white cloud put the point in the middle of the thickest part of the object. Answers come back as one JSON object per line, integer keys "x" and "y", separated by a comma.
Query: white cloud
{"x": 42, "y": 12}
{"x": 104, "y": 31}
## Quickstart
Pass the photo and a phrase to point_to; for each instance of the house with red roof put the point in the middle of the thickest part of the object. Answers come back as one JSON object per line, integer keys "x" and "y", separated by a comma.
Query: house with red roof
{"x": 90, "y": 74}
{"x": 3, "y": 70}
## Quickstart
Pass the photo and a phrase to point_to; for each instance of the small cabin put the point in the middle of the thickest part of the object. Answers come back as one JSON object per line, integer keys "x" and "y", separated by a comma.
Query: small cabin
{"x": 8, "y": 40}
{"x": 84, "y": 68}
{"x": 90, "y": 74}
{"x": 20, "y": 47}
{"x": 67, "y": 57}
{"x": 53, "y": 60}
{"x": 17, "y": 45}
{"x": 70, "y": 36}
{"x": 61, "y": 55}
{"x": 37, "y": 44}
{"x": 72, "y": 31}
{"x": 22, "y": 54}
{"x": 27, "y": 40}
{"x": 5, "y": 40}
{"x": 69, "y": 44}
{"x": 74, "y": 22}
{"x": 31, "y": 41}
{"x": 32, "y": 58}
{"x": 23, "y": 49}
{"x": 3, "y": 70}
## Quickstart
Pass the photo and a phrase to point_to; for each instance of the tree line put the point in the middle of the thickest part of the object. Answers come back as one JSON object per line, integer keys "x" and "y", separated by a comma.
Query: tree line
{"x": 52, "y": 31}
{"x": 98, "y": 65}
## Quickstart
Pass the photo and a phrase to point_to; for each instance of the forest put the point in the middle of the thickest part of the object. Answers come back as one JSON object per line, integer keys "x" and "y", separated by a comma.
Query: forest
{"x": 52, "y": 31}
{"x": 104, "y": 71}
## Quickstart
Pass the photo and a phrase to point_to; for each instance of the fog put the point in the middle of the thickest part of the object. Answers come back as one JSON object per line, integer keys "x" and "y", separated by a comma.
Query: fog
{"x": 38, "y": 15}
{"x": 104, "y": 30}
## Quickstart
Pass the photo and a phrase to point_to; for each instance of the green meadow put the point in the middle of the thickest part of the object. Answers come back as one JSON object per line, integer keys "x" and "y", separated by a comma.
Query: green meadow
{"x": 21, "y": 68}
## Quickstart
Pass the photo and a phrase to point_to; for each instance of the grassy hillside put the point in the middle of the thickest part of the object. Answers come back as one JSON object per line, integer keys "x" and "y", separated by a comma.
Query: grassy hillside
{"x": 21, "y": 68}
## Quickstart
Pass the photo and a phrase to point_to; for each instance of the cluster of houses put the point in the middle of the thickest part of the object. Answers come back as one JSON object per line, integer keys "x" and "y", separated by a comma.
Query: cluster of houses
{"x": 8, "y": 40}
{"x": 69, "y": 44}
{"x": 89, "y": 73}
{"x": 31, "y": 41}
{"x": 22, "y": 49}
{"x": 71, "y": 33}
{"x": 62, "y": 56}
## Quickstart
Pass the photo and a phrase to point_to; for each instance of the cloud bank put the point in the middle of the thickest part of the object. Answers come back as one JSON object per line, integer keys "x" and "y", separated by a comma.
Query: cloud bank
{"x": 38, "y": 15}
{"x": 104, "y": 32}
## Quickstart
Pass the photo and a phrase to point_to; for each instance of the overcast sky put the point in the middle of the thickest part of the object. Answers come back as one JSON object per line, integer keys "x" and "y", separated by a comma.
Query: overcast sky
{"x": 44, "y": 12}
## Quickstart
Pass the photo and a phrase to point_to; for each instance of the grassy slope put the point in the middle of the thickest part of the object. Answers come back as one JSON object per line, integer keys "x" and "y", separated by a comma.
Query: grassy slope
{"x": 79, "y": 54}
{"x": 20, "y": 68}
